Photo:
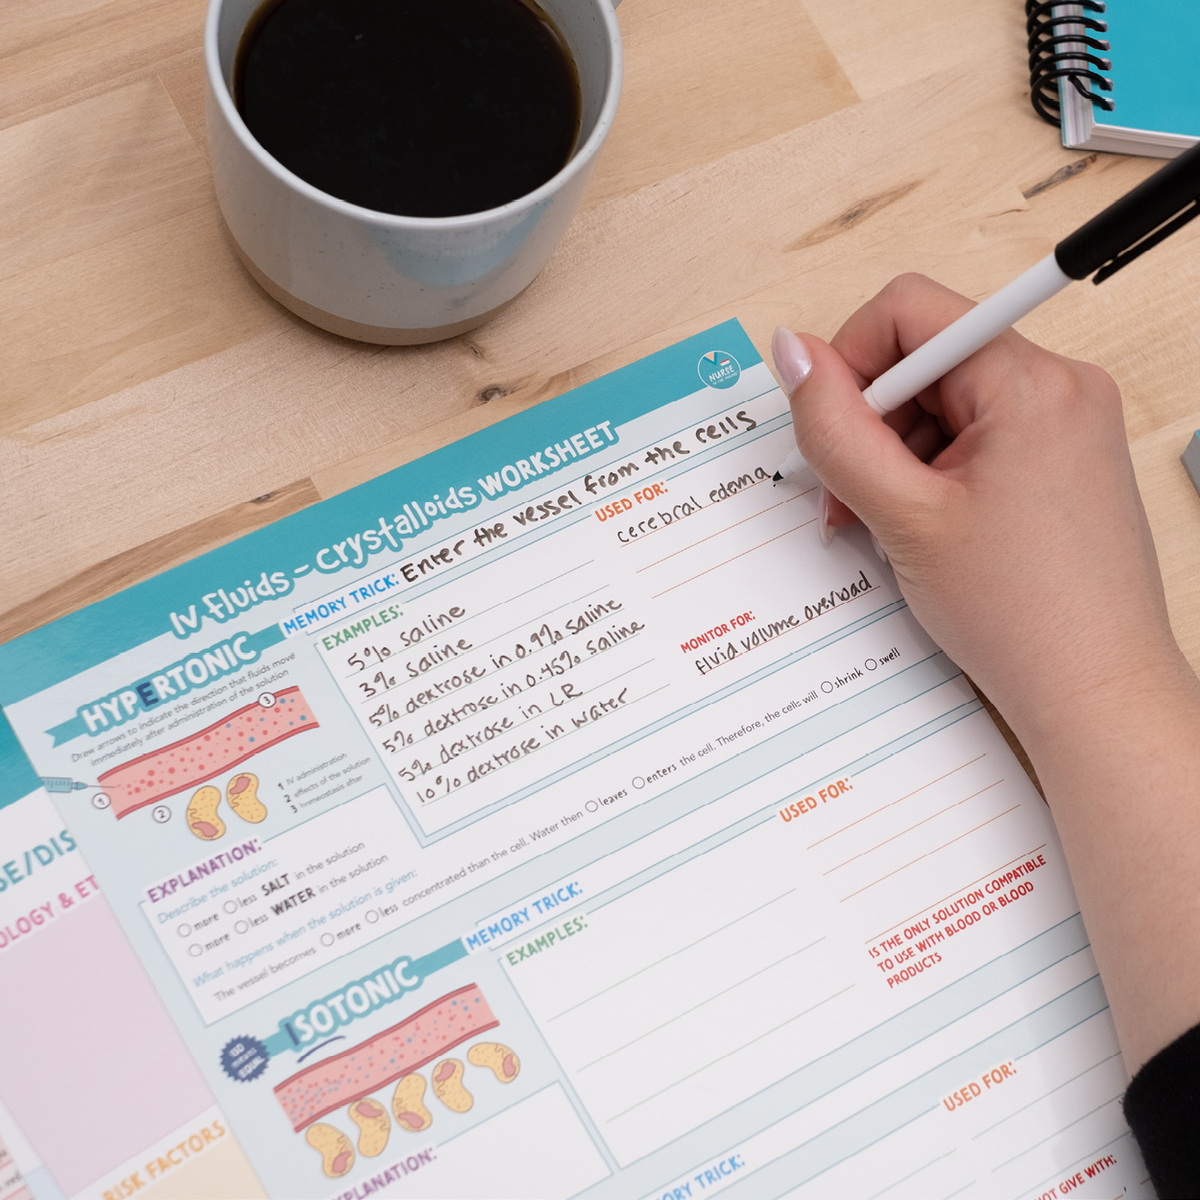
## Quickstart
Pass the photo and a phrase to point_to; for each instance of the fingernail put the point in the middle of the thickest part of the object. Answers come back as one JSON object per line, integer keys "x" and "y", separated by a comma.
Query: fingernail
{"x": 791, "y": 357}
{"x": 823, "y": 516}
{"x": 879, "y": 549}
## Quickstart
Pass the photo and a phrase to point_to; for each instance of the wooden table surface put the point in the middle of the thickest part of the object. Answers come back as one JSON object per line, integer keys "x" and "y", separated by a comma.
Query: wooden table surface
{"x": 773, "y": 160}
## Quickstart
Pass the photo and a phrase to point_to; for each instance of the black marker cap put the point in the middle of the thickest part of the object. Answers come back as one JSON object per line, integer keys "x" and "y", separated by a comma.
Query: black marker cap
{"x": 1109, "y": 235}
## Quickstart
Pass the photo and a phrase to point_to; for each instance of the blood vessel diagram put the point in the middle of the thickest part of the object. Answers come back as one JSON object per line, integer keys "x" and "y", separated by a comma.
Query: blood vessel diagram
{"x": 317, "y": 1090}
{"x": 201, "y": 756}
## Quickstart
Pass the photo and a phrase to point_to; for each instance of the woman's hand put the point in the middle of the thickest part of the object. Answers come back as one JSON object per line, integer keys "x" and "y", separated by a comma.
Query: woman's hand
{"x": 1005, "y": 498}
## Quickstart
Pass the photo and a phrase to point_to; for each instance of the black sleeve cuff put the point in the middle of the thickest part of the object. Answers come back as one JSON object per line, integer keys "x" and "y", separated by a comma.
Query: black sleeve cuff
{"x": 1162, "y": 1106}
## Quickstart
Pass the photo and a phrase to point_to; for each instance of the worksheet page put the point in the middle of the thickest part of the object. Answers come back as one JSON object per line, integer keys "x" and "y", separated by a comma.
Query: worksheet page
{"x": 557, "y": 815}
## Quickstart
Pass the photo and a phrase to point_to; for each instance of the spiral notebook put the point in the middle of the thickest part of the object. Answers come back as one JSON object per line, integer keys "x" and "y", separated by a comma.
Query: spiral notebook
{"x": 1118, "y": 75}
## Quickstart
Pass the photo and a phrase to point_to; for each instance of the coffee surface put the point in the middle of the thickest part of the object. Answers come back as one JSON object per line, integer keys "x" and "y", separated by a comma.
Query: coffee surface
{"x": 427, "y": 108}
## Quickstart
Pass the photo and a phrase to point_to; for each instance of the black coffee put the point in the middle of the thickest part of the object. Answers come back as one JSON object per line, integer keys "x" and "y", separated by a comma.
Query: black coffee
{"x": 429, "y": 108}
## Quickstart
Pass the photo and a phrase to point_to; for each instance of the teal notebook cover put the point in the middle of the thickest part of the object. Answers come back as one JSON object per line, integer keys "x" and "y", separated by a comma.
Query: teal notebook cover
{"x": 1154, "y": 51}
{"x": 1155, "y": 54}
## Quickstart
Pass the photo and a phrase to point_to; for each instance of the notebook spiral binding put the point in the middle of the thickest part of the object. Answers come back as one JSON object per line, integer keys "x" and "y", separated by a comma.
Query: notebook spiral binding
{"x": 1059, "y": 44}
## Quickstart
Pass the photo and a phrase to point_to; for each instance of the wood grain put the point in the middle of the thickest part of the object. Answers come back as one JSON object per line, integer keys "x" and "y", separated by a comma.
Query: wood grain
{"x": 772, "y": 160}
{"x": 180, "y": 545}
{"x": 767, "y": 53}
{"x": 776, "y": 160}
{"x": 73, "y": 50}
{"x": 78, "y": 178}
{"x": 884, "y": 44}
{"x": 184, "y": 82}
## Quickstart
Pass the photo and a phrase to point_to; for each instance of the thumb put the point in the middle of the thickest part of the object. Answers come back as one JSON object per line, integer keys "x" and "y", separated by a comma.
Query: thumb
{"x": 859, "y": 458}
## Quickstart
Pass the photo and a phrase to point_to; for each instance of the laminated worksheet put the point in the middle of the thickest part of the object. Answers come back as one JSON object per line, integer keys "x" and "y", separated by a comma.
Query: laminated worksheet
{"x": 556, "y": 815}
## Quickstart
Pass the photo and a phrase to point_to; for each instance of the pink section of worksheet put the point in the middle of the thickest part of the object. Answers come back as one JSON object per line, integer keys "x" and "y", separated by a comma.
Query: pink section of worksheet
{"x": 93, "y": 1069}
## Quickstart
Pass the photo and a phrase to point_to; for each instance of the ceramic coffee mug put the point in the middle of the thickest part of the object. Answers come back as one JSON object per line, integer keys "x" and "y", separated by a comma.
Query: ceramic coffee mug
{"x": 384, "y": 278}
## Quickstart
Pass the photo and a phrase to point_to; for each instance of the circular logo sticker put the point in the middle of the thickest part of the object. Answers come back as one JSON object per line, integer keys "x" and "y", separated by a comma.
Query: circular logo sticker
{"x": 718, "y": 369}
